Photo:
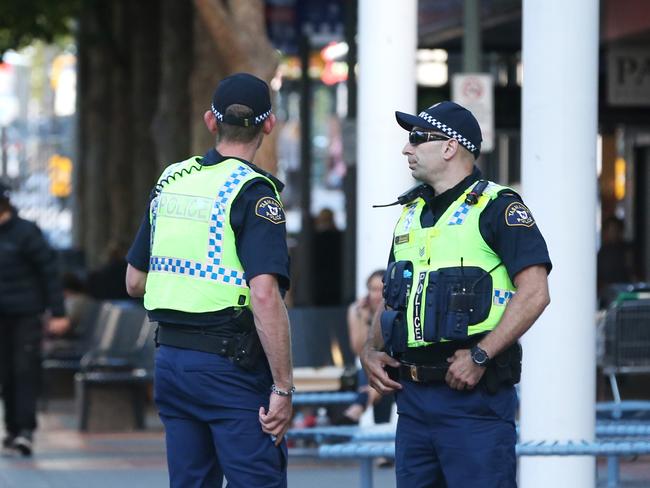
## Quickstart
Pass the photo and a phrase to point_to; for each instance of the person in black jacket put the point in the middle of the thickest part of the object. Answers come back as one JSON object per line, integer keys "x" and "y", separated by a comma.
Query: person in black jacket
{"x": 29, "y": 285}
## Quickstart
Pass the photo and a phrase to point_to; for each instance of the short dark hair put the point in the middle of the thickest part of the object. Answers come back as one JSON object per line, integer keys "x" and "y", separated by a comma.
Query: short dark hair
{"x": 235, "y": 133}
{"x": 378, "y": 273}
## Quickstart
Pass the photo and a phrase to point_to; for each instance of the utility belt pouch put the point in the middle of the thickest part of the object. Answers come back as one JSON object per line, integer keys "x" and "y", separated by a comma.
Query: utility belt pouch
{"x": 504, "y": 369}
{"x": 397, "y": 284}
{"x": 248, "y": 349}
{"x": 393, "y": 331}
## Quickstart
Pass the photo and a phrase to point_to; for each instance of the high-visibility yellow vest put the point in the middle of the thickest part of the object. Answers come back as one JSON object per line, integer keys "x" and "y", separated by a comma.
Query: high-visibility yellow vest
{"x": 194, "y": 265}
{"x": 454, "y": 239}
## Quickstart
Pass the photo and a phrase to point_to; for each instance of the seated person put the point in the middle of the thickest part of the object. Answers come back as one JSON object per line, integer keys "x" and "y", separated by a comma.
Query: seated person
{"x": 360, "y": 315}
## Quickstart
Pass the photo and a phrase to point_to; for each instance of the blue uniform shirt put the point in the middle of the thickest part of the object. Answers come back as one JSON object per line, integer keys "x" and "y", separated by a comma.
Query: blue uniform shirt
{"x": 261, "y": 245}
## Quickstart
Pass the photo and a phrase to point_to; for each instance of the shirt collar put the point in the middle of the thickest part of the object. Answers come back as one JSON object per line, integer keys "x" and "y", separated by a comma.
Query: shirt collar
{"x": 213, "y": 157}
{"x": 447, "y": 197}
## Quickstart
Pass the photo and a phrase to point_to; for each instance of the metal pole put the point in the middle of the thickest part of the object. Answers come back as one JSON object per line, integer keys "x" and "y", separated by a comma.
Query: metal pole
{"x": 559, "y": 136}
{"x": 3, "y": 142}
{"x": 366, "y": 473}
{"x": 386, "y": 83}
{"x": 471, "y": 36}
{"x": 303, "y": 293}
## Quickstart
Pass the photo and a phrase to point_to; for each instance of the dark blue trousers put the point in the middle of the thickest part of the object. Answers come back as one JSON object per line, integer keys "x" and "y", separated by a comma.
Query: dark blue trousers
{"x": 455, "y": 439}
{"x": 209, "y": 408}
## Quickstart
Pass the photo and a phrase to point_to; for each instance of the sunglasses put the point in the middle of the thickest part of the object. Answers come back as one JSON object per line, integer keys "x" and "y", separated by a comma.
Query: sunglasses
{"x": 419, "y": 137}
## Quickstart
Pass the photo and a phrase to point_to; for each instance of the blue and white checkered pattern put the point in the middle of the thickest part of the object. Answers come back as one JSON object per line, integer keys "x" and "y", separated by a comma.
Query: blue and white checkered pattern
{"x": 210, "y": 269}
{"x": 408, "y": 220}
{"x": 458, "y": 217}
{"x": 218, "y": 215}
{"x": 502, "y": 297}
{"x": 449, "y": 131}
{"x": 258, "y": 119}
{"x": 188, "y": 267}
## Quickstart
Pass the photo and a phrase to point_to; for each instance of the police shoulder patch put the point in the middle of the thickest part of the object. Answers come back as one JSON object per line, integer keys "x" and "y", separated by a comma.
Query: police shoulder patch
{"x": 518, "y": 215}
{"x": 270, "y": 209}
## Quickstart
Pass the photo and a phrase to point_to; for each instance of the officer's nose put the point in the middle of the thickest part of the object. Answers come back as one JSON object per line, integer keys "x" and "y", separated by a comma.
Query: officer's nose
{"x": 408, "y": 149}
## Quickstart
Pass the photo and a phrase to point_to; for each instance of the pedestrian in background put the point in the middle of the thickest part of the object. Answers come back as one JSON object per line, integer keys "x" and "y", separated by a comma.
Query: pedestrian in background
{"x": 467, "y": 276}
{"x": 30, "y": 285}
{"x": 212, "y": 263}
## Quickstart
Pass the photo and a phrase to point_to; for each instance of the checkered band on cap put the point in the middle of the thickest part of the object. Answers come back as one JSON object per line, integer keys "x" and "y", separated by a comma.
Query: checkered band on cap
{"x": 449, "y": 131}
{"x": 258, "y": 119}
{"x": 216, "y": 113}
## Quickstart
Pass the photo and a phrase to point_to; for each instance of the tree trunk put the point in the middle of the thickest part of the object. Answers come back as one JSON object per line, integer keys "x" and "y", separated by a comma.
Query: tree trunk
{"x": 240, "y": 43}
{"x": 171, "y": 127}
{"x": 119, "y": 161}
{"x": 144, "y": 98}
{"x": 206, "y": 73}
{"x": 94, "y": 83}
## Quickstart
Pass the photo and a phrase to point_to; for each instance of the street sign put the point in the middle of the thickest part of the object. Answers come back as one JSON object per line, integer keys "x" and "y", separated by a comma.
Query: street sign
{"x": 475, "y": 92}
{"x": 628, "y": 76}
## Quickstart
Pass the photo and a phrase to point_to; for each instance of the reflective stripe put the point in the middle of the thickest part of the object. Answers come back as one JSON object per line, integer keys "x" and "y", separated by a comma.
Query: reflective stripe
{"x": 408, "y": 221}
{"x": 458, "y": 217}
{"x": 188, "y": 267}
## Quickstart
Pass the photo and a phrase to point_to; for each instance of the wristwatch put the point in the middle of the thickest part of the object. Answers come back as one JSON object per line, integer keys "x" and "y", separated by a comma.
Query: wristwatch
{"x": 479, "y": 356}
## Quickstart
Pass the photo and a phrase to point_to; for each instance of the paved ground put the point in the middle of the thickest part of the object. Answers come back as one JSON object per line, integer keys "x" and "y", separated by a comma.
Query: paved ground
{"x": 65, "y": 458}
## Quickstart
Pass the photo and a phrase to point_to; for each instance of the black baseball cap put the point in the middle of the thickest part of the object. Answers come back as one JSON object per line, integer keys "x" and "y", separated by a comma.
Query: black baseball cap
{"x": 449, "y": 118}
{"x": 242, "y": 89}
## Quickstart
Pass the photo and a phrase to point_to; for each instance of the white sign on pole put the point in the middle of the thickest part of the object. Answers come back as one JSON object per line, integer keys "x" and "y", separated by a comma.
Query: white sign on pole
{"x": 475, "y": 92}
{"x": 628, "y": 76}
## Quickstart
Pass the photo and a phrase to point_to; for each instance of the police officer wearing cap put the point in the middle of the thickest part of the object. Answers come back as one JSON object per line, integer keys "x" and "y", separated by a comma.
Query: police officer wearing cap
{"x": 467, "y": 276}
{"x": 211, "y": 261}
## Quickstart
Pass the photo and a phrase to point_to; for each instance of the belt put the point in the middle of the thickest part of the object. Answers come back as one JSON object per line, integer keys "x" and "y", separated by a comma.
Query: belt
{"x": 422, "y": 374}
{"x": 196, "y": 339}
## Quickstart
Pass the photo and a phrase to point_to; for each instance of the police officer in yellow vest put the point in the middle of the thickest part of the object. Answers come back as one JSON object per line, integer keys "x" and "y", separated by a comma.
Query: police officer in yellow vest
{"x": 211, "y": 260}
{"x": 467, "y": 276}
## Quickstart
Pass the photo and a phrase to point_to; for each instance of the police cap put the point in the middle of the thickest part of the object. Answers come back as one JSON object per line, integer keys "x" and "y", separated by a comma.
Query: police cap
{"x": 242, "y": 89}
{"x": 449, "y": 118}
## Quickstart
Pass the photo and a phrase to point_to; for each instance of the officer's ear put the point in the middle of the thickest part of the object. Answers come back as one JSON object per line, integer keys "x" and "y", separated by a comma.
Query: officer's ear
{"x": 269, "y": 123}
{"x": 210, "y": 121}
{"x": 450, "y": 149}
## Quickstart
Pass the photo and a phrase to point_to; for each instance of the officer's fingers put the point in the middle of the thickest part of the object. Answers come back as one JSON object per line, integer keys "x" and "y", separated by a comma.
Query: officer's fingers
{"x": 386, "y": 359}
{"x": 262, "y": 413}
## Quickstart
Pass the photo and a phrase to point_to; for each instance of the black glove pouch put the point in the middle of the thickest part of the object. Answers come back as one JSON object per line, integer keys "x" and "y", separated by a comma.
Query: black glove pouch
{"x": 397, "y": 284}
{"x": 393, "y": 331}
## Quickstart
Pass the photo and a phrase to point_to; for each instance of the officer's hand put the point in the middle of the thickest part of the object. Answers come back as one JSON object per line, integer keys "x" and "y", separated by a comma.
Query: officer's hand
{"x": 278, "y": 419}
{"x": 58, "y": 325}
{"x": 374, "y": 362}
{"x": 463, "y": 373}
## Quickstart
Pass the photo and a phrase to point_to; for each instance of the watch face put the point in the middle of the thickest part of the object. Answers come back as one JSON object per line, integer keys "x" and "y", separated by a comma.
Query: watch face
{"x": 479, "y": 356}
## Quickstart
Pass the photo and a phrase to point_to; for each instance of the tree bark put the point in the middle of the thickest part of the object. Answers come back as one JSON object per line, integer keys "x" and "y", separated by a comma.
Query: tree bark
{"x": 240, "y": 43}
{"x": 171, "y": 125}
{"x": 94, "y": 145}
{"x": 119, "y": 162}
{"x": 144, "y": 98}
